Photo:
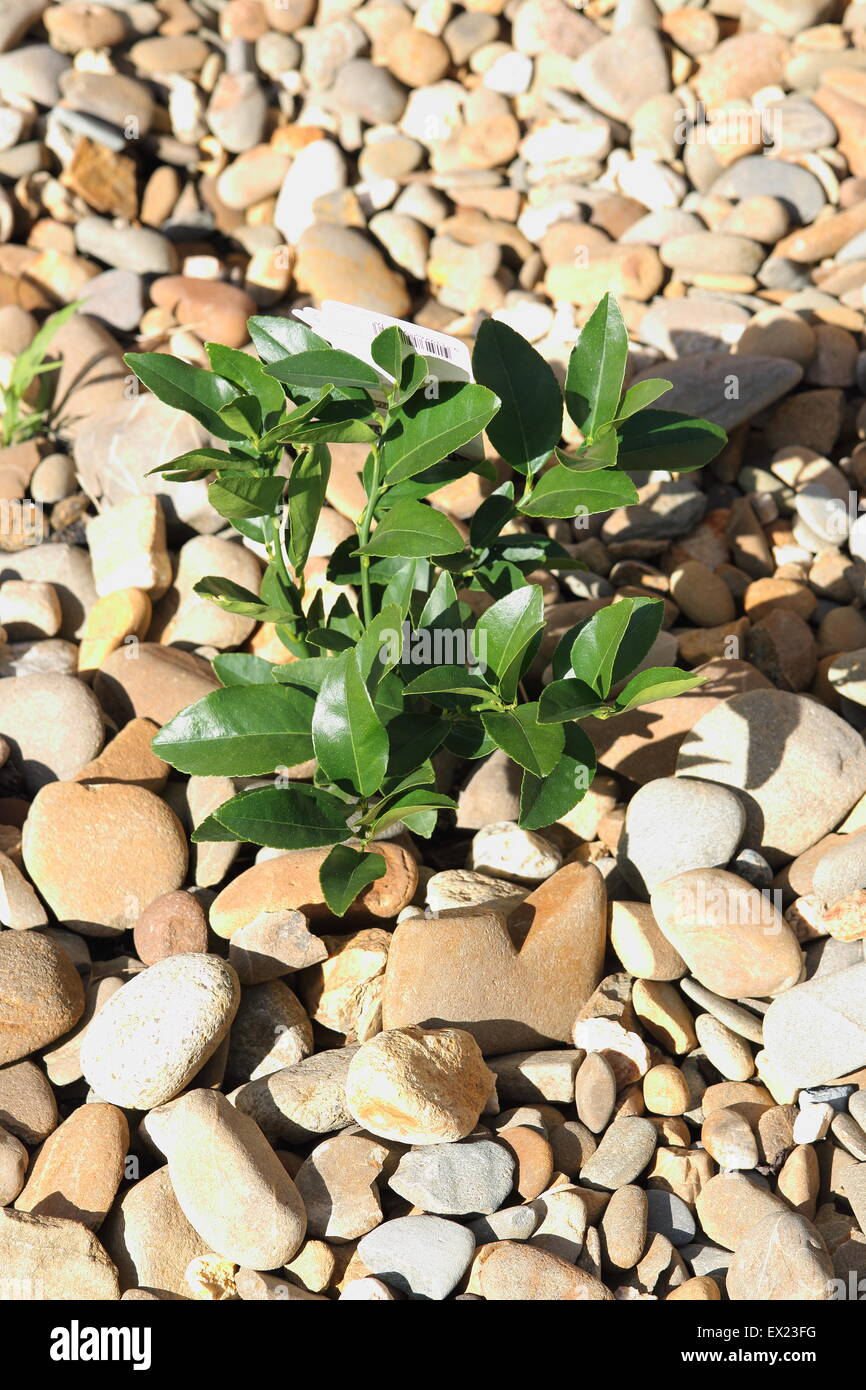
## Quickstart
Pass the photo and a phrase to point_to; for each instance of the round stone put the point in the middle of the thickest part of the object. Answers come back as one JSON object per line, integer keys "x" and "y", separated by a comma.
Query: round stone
{"x": 675, "y": 824}
{"x": 41, "y": 994}
{"x": 54, "y": 724}
{"x": 417, "y": 1085}
{"x": 174, "y": 924}
{"x": 474, "y": 1177}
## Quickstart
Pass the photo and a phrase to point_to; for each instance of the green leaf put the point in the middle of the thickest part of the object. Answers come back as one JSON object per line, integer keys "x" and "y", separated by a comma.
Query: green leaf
{"x": 594, "y": 650}
{"x": 422, "y": 433}
{"x": 238, "y": 495}
{"x": 415, "y": 372}
{"x": 413, "y": 531}
{"x": 234, "y": 598}
{"x": 467, "y": 738}
{"x": 29, "y": 363}
{"x": 529, "y": 421}
{"x": 326, "y": 366}
{"x": 276, "y": 338}
{"x": 413, "y": 738}
{"x": 543, "y": 800}
{"x": 212, "y": 831}
{"x": 349, "y": 739}
{"x": 491, "y": 516}
{"x": 239, "y": 731}
{"x": 379, "y": 647}
{"x": 200, "y": 393}
{"x": 504, "y": 632}
{"x": 347, "y": 872}
{"x": 566, "y": 699}
{"x": 642, "y": 394}
{"x": 419, "y": 807}
{"x": 562, "y": 493}
{"x": 658, "y": 683}
{"x": 388, "y": 349}
{"x": 596, "y": 368}
{"x": 242, "y": 668}
{"x": 287, "y": 429}
{"x": 334, "y": 432}
{"x": 249, "y": 376}
{"x": 294, "y": 817}
{"x": 518, "y": 733}
{"x": 308, "y": 673}
{"x": 304, "y": 498}
{"x": 644, "y": 626}
{"x": 670, "y": 440}
{"x": 203, "y": 461}
{"x": 448, "y": 680}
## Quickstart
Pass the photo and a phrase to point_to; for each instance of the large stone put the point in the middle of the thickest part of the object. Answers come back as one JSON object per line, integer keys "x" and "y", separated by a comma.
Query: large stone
{"x": 512, "y": 983}
{"x": 422, "y": 1256}
{"x": 644, "y": 743}
{"x": 782, "y": 1258}
{"x": 79, "y": 1167}
{"x": 516, "y": 1272}
{"x": 727, "y": 390}
{"x": 418, "y": 1086}
{"x": 150, "y": 1239}
{"x": 303, "y": 1101}
{"x": 151, "y": 682}
{"x": 67, "y": 569}
{"x": 45, "y": 1259}
{"x": 41, "y": 994}
{"x": 99, "y": 854}
{"x": 53, "y": 723}
{"x": 617, "y": 75}
{"x": 156, "y": 1032}
{"x": 92, "y": 375}
{"x": 769, "y": 746}
{"x": 733, "y": 939}
{"x": 817, "y": 1031}
{"x": 111, "y": 447}
{"x": 340, "y": 263}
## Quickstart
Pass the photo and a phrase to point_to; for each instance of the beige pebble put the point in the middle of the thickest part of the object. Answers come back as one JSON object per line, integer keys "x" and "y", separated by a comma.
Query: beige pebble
{"x": 727, "y": 1137}
{"x": 729, "y": 1053}
{"x": 663, "y": 1012}
{"x": 642, "y": 948}
{"x": 419, "y": 1085}
{"x": 666, "y": 1090}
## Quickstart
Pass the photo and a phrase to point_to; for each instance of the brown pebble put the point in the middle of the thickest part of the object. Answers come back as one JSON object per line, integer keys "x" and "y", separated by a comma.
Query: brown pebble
{"x": 173, "y": 925}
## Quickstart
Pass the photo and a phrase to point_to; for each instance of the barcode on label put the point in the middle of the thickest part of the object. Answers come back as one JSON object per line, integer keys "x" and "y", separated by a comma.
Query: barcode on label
{"x": 428, "y": 347}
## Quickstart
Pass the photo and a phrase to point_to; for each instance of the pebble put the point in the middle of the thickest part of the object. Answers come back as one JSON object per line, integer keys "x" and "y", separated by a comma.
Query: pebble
{"x": 595, "y": 1092}
{"x": 79, "y": 1168}
{"x": 41, "y": 994}
{"x": 418, "y": 1085}
{"x": 517, "y": 1272}
{"x": 100, "y": 854}
{"x": 806, "y": 1054}
{"x": 782, "y": 1257}
{"x": 624, "y": 1152}
{"x": 674, "y": 824}
{"x": 471, "y": 1178}
{"x": 641, "y": 947}
{"x": 337, "y": 1185}
{"x": 152, "y": 1037}
{"x": 422, "y": 1256}
{"x": 53, "y": 722}
{"x": 504, "y": 849}
{"x": 726, "y": 1050}
{"x": 733, "y": 939}
{"x": 52, "y": 1256}
{"x": 214, "y": 1148}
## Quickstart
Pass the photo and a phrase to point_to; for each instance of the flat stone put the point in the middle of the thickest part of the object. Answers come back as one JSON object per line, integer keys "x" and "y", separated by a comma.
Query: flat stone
{"x": 155, "y": 1033}
{"x": 729, "y": 391}
{"x": 278, "y": 945}
{"x": 48, "y": 1258}
{"x": 734, "y": 940}
{"x": 422, "y": 1256}
{"x": 54, "y": 724}
{"x": 765, "y": 744}
{"x": 729, "y": 1205}
{"x": 340, "y": 263}
{"x": 799, "y": 189}
{"x": 270, "y": 1031}
{"x": 28, "y": 1107}
{"x": 526, "y": 986}
{"x": 150, "y": 1239}
{"x": 466, "y": 1179}
{"x": 300, "y": 1102}
{"x": 79, "y": 1168}
{"x": 674, "y": 824}
{"x": 517, "y": 1272}
{"x": 337, "y": 1184}
{"x": 781, "y": 1258}
{"x": 817, "y": 1031}
{"x": 609, "y": 78}
{"x": 595, "y": 1092}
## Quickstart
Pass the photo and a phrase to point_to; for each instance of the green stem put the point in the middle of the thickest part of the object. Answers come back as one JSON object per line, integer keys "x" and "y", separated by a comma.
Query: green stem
{"x": 364, "y": 535}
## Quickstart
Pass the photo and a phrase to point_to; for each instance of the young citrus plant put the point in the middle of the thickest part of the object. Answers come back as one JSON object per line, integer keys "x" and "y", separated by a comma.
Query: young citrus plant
{"x": 369, "y": 694}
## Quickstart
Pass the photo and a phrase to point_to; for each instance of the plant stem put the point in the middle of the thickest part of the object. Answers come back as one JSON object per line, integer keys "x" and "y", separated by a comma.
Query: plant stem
{"x": 364, "y": 536}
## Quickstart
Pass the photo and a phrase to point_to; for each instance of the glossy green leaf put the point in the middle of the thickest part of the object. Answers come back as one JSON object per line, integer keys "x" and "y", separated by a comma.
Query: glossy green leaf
{"x": 641, "y": 395}
{"x": 349, "y": 739}
{"x": 544, "y": 800}
{"x": 242, "y": 668}
{"x": 203, "y": 461}
{"x": 644, "y": 626}
{"x": 249, "y": 375}
{"x": 345, "y": 873}
{"x": 562, "y": 493}
{"x": 308, "y": 673}
{"x": 594, "y": 650}
{"x": 491, "y": 516}
{"x": 424, "y": 432}
{"x": 294, "y": 817}
{"x": 567, "y": 699}
{"x": 419, "y": 809}
{"x": 202, "y": 394}
{"x": 324, "y": 366}
{"x": 234, "y": 598}
{"x": 529, "y": 421}
{"x": 275, "y": 338}
{"x": 518, "y": 733}
{"x": 657, "y": 683}
{"x": 414, "y": 531}
{"x": 667, "y": 439}
{"x": 388, "y": 349}
{"x": 236, "y": 495}
{"x": 305, "y": 496}
{"x": 448, "y": 680}
{"x": 504, "y": 632}
{"x": 239, "y": 731}
{"x": 596, "y": 368}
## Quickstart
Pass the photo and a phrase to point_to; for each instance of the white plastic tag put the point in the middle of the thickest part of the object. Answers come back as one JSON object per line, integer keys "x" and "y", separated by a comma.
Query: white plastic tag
{"x": 352, "y": 329}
